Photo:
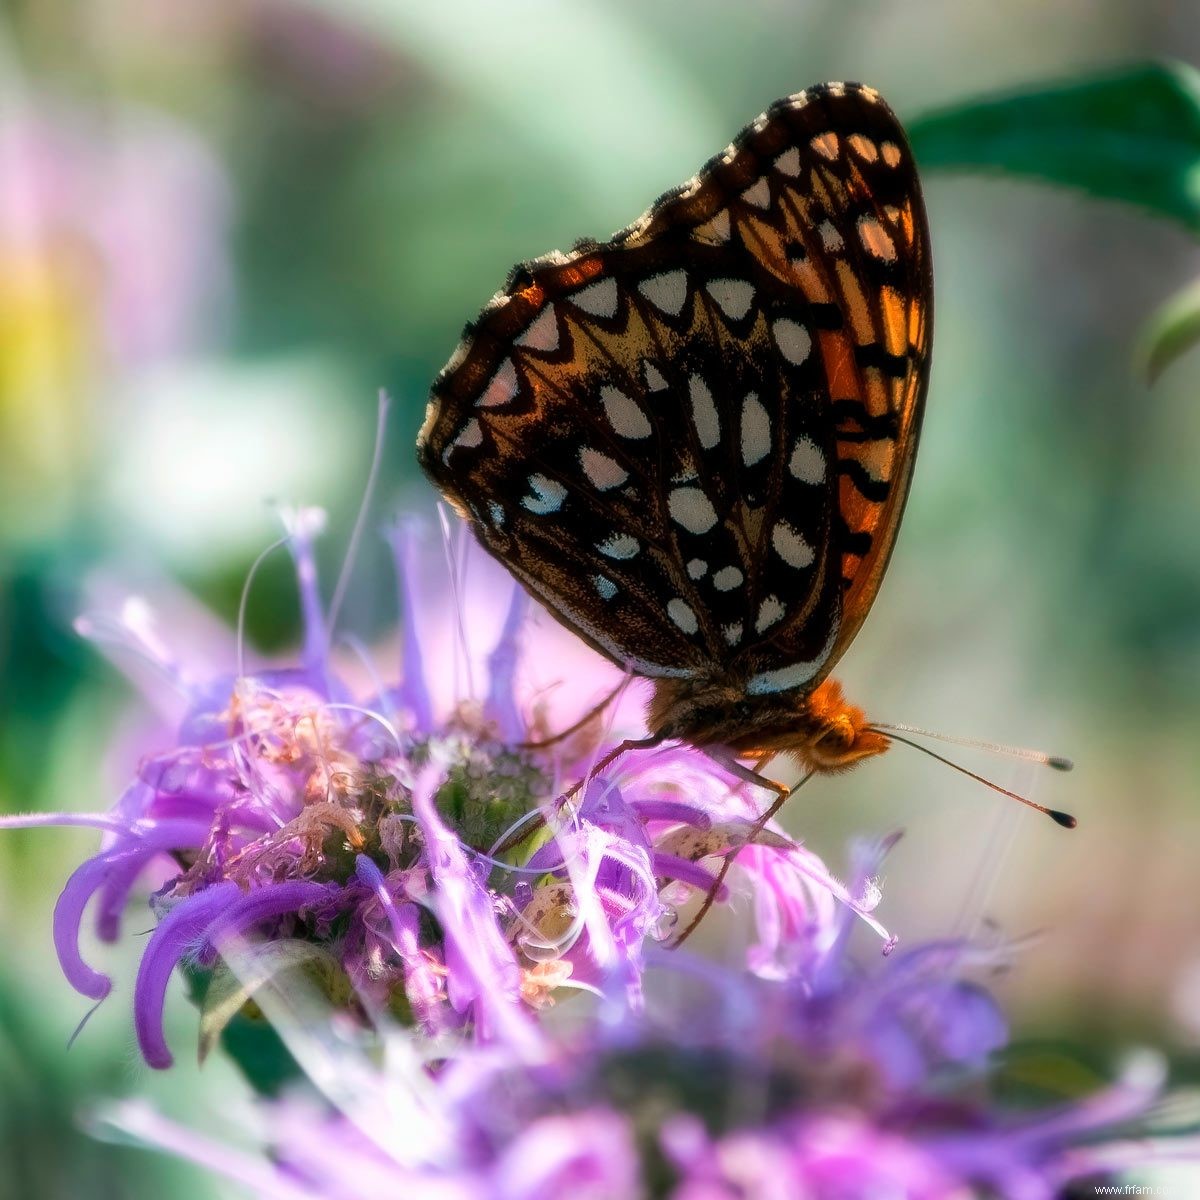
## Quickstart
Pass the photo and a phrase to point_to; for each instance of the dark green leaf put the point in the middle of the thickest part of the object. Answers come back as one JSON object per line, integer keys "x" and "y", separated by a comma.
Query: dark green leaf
{"x": 1133, "y": 136}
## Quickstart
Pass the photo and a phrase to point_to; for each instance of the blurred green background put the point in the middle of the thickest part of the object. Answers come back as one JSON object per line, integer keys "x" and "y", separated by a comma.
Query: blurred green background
{"x": 224, "y": 225}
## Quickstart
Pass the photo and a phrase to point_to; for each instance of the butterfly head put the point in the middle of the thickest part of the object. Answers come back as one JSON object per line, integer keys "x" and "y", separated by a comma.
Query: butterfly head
{"x": 833, "y": 733}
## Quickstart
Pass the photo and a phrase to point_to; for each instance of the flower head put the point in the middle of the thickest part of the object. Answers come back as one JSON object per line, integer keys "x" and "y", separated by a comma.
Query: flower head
{"x": 418, "y": 847}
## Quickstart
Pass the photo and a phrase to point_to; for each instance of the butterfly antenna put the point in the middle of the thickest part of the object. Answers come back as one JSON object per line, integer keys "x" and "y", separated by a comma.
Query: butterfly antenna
{"x": 1054, "y": 761}
{"x": 1060, "y": 818}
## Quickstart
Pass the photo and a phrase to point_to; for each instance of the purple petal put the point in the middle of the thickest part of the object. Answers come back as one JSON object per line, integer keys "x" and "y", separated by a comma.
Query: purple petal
{"x": 501, "y": 704}
{"x": 181, "y": 930}
{"x": 201, "y": 921}
{"x": 273, "y": 900}
{"x": 671, "y": 866}
{"x": 482, "y": 970}
{"x": 675, "y": 811}
{"x": 303, "y": 525}
{"x": 420, "y": 981}
{"x": 68, "y": 919}
{"x": 113, "y": 869}
{"x": 588, "y": 1153}
{"x": 413, "y": 693}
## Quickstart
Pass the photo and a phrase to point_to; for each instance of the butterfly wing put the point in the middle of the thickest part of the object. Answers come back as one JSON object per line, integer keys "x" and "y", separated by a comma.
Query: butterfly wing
{"x": 694, "y": 442}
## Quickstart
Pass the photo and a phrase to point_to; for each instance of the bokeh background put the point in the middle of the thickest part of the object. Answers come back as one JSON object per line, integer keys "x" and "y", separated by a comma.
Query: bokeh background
{"x": 224, "y": 226}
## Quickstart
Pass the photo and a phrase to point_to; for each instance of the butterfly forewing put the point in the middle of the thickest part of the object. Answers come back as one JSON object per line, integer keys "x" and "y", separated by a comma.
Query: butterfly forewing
{"x": 693, "y": 442}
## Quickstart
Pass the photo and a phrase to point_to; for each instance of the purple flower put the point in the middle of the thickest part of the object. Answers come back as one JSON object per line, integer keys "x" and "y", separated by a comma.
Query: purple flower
{"x": 411, "y": 833}
{"x": 840, "y": 1081}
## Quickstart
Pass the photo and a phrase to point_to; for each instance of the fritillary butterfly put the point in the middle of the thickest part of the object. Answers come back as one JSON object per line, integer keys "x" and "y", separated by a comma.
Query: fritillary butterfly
{"x": 694, "y": 442}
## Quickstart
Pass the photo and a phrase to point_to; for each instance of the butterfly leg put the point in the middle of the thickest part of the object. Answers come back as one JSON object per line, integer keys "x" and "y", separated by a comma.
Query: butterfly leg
{"x": 747, "y": 774}
{"x": 517, "y": 836}
{"x": 590, "y": 715}
{"x": 646, "y": 743}
{"x": 782, "y": 793}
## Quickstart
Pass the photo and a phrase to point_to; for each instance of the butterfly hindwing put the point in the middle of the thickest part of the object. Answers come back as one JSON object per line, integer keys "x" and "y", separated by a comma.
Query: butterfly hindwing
{"x": 693, "y": 442}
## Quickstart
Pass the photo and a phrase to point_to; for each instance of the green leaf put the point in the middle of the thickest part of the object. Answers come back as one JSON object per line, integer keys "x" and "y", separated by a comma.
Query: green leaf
{"x": 1132, "y": 136}
{"x": 228, "y": 1013}
{"x": 1172, "y": 330}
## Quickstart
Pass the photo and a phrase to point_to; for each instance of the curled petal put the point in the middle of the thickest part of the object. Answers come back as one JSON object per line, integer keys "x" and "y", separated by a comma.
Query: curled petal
{"x": 112, "y": 872}
{"x": 180, "y": 931}
{"x": 201, "y": 921}
{"x": 68, "y": 919}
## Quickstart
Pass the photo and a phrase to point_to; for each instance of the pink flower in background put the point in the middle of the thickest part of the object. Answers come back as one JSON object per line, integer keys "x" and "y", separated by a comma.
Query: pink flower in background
{"x": 114, "y": 222}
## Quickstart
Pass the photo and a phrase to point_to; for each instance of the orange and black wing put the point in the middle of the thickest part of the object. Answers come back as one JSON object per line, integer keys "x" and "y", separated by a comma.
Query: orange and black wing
{"x": 693, "y": 442}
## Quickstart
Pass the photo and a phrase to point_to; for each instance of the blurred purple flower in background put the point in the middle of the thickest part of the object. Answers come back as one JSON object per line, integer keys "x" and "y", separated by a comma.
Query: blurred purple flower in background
{"x": 410, "y": 851}
{"x": 836, "y": 1082}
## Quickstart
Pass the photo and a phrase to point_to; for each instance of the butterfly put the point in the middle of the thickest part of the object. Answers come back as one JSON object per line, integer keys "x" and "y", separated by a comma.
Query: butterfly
{"x": 693, "y": 443}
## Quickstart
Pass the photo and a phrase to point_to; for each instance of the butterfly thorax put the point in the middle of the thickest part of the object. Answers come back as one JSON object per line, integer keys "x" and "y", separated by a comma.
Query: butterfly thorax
{"x": 818, "y": 727}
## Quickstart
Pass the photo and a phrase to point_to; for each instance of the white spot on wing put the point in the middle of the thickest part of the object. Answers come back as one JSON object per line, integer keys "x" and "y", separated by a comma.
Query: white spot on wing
{"x": 542, "y": 333}
{"x": 471, "y": 435}
{"x": 704, "y": 413}
{"x": 727, "y": 578}
{"x": 696, "y": 568}
{"x": 666, "y": 291}
{"x": 692, "y": 509}
{"x": 769, "y": 612}
{"x": 791, "y": 546}
{"x": 756, "y": 431}
{"x": 793, "y": 676}
{"x": 830, "y": 238}
{"x": 501, "y": 388}
{"x": 623, "y": 414}
{"x": 620, "y": 545}
{"x": 683, "y": 616}
{"x": 733, "y": 633}
{"x": 807, "y": 463}
{"x": 548, "y": 495}
{"x": 653, "y": 376}
{"x": 732, "y": 296}
{"x": 715, "y": 229}
{"x": 602, "y": 471}
{"x": 496, "y": 513}
{"x": 793, "y": 340}
{"x": 758, "y": 194}
{"x": 604, "y": 586}
{"x": 599, "y": 299}
{"x": 788, "y": 163}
